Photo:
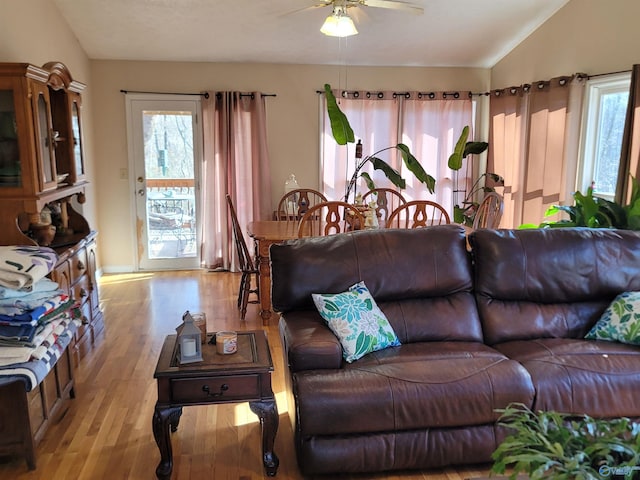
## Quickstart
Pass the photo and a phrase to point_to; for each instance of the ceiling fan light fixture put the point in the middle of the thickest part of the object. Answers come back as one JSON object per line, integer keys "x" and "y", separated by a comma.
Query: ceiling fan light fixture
{"x": 339, "y": 24}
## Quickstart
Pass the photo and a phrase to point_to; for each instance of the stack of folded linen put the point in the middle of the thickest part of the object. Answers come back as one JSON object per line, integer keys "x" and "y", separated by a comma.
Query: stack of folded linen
{"x": 34, "y": 312}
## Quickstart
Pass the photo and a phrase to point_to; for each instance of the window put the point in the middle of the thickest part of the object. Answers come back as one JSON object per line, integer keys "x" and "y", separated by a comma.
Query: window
{"x": 428, "y": 124}
{"x": 604, "y": 113}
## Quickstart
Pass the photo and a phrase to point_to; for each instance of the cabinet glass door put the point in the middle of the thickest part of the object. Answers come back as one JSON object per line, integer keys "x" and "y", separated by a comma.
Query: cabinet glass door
{"x": 9, "y": 154}
{"x": 46, "y": 140}
{"x": 76, "y": 131}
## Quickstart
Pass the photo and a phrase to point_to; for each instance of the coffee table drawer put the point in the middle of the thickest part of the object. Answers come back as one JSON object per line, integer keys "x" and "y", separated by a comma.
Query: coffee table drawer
{"x": 220, "y": 389}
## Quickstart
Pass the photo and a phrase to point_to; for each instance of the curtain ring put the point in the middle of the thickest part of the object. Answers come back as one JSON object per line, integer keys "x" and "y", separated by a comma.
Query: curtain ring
{"x": 395, "y": 95}
{"x": 497, "y": 93}
{"x": 356, "y": 94}
{"x": 380, "y": 95}
{"x": 432, "y": 95}
{"x": 513, "y": 90}
{"x": 368, "y": 94}
{"x": 526, "y": 87}
{"x": 562, "y": 81}
{"x": 407, "y": 95}
{"x": 456, "y": 95}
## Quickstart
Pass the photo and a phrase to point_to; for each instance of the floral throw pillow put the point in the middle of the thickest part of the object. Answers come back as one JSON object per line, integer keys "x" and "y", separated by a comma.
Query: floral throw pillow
{"x": 355, "y": 318}
{"x": 620, "y": 322}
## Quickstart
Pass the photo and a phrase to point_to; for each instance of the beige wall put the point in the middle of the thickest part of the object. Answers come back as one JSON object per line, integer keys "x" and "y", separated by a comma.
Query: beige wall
{"x": 292, "y": 120}
{"x": 35, "y": 32}
{"x": 590, "y": 36}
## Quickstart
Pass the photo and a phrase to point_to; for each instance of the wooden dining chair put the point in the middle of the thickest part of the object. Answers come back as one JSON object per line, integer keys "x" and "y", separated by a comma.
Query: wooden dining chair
{"x": 387, "y": 200}
{"x": 328, "y": 218}
{"x": 294, "y": 204}
{"x": 248, "y": 265}
{"x": 489, "y": 211}
{"x": 418, "y": 214}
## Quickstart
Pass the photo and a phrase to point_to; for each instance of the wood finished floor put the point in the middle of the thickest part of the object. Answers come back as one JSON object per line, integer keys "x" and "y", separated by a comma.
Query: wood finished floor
{"x": 106, "y": 433}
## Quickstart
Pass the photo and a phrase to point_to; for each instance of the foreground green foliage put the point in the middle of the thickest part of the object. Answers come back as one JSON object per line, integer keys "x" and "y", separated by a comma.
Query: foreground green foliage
{"x": 595, "y": 212}
{"x": 547, "y": 445}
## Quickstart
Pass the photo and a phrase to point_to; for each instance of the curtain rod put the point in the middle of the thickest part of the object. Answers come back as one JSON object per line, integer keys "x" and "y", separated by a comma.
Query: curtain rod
{"x": 407, "y": 94}
{"x": 608, "y": 73}
{"x": 203, "y": 94}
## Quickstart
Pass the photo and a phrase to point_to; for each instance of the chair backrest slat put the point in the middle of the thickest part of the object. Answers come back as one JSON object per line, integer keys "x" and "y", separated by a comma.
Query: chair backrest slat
{"x": 387, "y": 200}
{"x": 294, "y": 204}
{"x": 244, "y": 257}
{"x": 417, "y": 214}
{"x": 327, "y": 218}
{"x": 489, "y": 211}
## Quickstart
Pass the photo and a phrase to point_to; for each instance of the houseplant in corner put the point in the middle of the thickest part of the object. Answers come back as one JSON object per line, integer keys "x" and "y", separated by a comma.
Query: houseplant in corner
{"x": 343, "y": 134}
{"x": 464, "y": 213}
{"x": 592, "y": 211}
{"x": 552, "y": 445}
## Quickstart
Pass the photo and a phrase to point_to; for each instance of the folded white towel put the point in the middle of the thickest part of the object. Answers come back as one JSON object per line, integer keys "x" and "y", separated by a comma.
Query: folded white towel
{"x": 42, "y": 285}
{"x": 23, "y": 265}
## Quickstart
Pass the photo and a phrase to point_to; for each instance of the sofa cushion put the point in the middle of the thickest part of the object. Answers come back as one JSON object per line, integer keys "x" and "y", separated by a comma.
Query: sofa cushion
{"x": 355, "y": 318}
{"x": 545, "y": 283}
{"x": 620, "y": 322}
{"x": 414, "y": 386}
{"x": 580, "y": 376}
{"x": 426, "y": 270}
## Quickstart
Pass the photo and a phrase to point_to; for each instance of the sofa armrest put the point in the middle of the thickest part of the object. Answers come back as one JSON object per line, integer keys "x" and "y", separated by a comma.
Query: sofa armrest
{"x": 308, "y": 343}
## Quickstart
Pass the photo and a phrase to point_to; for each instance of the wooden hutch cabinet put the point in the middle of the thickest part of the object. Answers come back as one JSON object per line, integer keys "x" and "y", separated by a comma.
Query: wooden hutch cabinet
{"x": 43, "y": 181}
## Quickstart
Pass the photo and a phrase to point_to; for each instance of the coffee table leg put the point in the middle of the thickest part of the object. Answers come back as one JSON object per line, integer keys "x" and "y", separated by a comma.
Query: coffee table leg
{"x": 267, "y": 412}
{"x": 163, "y": 420}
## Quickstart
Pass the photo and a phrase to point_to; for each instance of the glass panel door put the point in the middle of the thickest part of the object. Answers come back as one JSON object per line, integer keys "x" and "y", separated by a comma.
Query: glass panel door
{"x": 46, "y": 138}
{"x": 9, "y": 154}
{"x": 78, "y": 157}
{"x": 166, "y": 157}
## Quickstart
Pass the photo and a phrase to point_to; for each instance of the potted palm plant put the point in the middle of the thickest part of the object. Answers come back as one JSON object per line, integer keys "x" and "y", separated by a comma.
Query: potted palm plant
{"x": 343, "y": 134}
{"x": 464, "y": 212}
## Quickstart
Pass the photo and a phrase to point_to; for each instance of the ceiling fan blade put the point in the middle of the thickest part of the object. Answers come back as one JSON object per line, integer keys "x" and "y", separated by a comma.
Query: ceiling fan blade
{"x": 318, "y": 4}
{"x": 407, "y": 7}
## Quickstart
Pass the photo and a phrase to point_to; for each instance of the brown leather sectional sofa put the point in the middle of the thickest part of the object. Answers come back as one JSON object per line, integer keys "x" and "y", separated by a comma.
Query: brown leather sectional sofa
{"x": 503, "y": 322}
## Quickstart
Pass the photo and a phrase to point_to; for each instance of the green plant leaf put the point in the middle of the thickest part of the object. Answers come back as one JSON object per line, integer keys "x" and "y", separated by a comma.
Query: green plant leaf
{"x": 340, "y": 127}
{"x": 455, "y": 159}
{"x": 614, "y": 212}
{"x": 474, "y": 148}
{"x": 389, "y": 172}
{"x": 589, "y": 206}
{"x": 368, "y": 180}
{"x": 415, "y": 167}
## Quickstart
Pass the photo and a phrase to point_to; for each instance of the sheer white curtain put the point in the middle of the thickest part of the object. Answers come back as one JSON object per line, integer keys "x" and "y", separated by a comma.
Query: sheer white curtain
{"x": 428, "y": 123}
{"x": 236, "y": 161}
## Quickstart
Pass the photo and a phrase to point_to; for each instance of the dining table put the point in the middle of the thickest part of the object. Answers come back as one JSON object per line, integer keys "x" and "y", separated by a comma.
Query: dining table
{"x": 265, "y": 233}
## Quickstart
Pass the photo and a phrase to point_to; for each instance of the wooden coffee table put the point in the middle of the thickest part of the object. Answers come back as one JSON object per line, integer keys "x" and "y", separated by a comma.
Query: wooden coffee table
{"x": 244, "y": 376}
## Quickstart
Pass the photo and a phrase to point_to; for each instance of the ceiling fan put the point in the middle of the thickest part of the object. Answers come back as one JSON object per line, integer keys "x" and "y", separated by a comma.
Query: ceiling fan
{"x": 391, "y": 4}
{"x": 340, "y": 24}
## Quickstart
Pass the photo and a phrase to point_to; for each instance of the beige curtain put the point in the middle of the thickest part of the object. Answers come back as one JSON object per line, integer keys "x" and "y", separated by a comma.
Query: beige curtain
{"x": 533, "y": 144}
{"x": 429, "y": 123}
{"x": 236, "y": 161}
{"x": 630, "y": 153}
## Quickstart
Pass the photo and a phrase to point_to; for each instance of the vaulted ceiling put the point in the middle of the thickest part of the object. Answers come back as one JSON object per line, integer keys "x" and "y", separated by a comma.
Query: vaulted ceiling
{"x": 455, "y": 33}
